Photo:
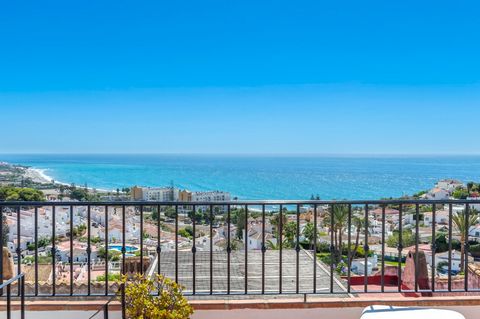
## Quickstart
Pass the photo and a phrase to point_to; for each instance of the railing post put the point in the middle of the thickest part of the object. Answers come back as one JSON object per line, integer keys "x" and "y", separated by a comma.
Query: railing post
{"x": 194, "y": 250}
{"x": 450, "y": 216}
{"x": 400, "y": 246}
{"x": 106, "y": 251}
{"x": 141, "y": 240}
{"x": 297, "y": 252}
{"x": 54, "y": 251}
{"x": 71, "y": 252}
{"x": 176, "y": 244}
{"x": 467, "y": 245}
{"x": 19, "y": 250}
{"x": 211, "y": 248}
{"x": 9, "y": 302}
{"x": 22, "y": 297}
{"x": 349, "y": 253}
{"x": 263, "y": 249}
{"x": 105, "y": 311}
{"x": 332, "y": 245}
{"x": 280, "y": 235}
{"x": 366, "y": 250}
{"x": 229, "y": 248}
{"x": 124, "y": 314}
{"x": 36, "y": 248}
{"x": 89, "y": 250}
{"x": 246, "y": 249}
{"x": 383, "y": 249}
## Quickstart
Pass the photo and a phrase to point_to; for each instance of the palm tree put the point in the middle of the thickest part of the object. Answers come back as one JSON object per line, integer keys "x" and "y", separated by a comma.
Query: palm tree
{"x": 290, "y": 231}
{"x": 470, "y": 186}
{"x": 275, "y": 221}
{"x": 359, "y": 224}
{"x": 309, "y": 233}
{"x": 340, "y": 217}
{"x": 462, "y": 225}
{"x": 275, "y": 245}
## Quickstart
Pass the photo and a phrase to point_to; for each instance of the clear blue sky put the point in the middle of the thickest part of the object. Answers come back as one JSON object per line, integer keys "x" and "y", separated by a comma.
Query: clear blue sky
{"x": 240, "y": 76}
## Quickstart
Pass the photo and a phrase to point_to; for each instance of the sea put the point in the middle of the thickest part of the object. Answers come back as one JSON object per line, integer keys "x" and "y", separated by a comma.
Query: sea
{"x": 254, "y": 177}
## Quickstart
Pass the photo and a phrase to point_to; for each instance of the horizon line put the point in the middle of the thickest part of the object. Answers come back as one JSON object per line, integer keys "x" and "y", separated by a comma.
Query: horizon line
{"x": 242, "y": 154}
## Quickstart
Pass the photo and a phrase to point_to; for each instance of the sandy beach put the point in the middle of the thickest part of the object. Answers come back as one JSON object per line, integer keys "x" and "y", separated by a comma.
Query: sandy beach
{"x": 37, "y": 175}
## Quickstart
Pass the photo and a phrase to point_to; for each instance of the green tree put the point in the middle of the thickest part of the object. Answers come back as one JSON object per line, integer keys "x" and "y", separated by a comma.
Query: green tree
{"x": 170, "y": 212}
{"x": 186, "y": 232}
{"x": 195, "y": 215}
{"x": 10, "y": 193}
{"x": 408, "y": 238}
{"x": 460, "y": 193}
{"x": 79, "y": 194}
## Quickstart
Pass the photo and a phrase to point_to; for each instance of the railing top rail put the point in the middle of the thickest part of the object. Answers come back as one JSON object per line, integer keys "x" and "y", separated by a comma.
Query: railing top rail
{"x": 240, "y": 202}
{"x": 11, "y": 280}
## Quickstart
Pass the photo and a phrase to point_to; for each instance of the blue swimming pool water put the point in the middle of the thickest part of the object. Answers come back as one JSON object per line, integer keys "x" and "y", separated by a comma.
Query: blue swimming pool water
{"x": 128, "y": 249}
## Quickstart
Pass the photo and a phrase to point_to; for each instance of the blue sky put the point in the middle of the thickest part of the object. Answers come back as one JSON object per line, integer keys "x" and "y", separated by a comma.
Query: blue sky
{"x": 240, "y": 77}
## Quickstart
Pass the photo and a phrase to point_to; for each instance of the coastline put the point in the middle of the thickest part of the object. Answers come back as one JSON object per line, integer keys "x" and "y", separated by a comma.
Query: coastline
{"x": 38, "y": 175}
{"x": 252, "y": 178}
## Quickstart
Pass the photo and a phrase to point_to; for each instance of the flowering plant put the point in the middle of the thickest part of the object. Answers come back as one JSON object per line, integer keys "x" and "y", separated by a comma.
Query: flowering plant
{"x": 158, "y": 297}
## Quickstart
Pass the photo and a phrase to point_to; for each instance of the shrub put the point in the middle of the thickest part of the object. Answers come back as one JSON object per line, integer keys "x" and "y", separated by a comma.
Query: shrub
{"x": 143, "y": 302}
{"x": 111, "y": 277}
{"x": 323, "y": 247}
{"x": 441, "y": 242}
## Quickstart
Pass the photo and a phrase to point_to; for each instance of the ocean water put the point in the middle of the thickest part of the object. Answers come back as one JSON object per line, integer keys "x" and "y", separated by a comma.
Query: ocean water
{"x": 260, "y": 177}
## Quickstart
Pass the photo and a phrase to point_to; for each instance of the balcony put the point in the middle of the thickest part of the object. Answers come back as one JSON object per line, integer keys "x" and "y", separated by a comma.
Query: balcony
{"x": 263, "y": 258}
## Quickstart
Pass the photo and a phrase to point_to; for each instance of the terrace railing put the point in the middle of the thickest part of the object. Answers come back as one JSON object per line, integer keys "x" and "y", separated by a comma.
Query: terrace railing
{"x": 280, "y": 255}
{"x": 7, "y": 285}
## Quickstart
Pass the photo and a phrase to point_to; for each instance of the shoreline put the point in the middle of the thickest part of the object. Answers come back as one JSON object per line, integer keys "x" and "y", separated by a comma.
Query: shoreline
{"x": 38, "y": 175}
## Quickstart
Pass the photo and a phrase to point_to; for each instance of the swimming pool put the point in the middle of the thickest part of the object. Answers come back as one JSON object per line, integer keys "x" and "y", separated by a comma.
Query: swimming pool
{"x": 128, "y": 249}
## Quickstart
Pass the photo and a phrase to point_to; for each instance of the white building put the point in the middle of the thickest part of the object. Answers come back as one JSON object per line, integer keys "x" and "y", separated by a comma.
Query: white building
{"x": 255, "y": 239}
{"x": 438, "y": 194}
{"x": 79, "y": 252}
{"x": 210, "y": 196}
{"x": 441, "y": 217}
{"x": 358, "y": 265}
{"x": 449, "y": 185}
{"x": 474, "y": 206}
{"x": 442, "y": 258}
{"x": 474, "y": 232}
{"x": 161, "y": 194}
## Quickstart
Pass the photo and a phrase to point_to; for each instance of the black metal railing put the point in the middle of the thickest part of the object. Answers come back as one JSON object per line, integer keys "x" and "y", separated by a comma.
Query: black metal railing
{"x": 239, "y": 247}
{"x": 7, "y": 285}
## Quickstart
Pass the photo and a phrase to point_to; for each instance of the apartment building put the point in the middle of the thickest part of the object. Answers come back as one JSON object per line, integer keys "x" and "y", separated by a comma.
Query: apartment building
{"x": 163, "y": 194}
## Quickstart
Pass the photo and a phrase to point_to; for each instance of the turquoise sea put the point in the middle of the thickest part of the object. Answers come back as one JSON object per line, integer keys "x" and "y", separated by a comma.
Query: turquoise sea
{"x": 260, "y": 177}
